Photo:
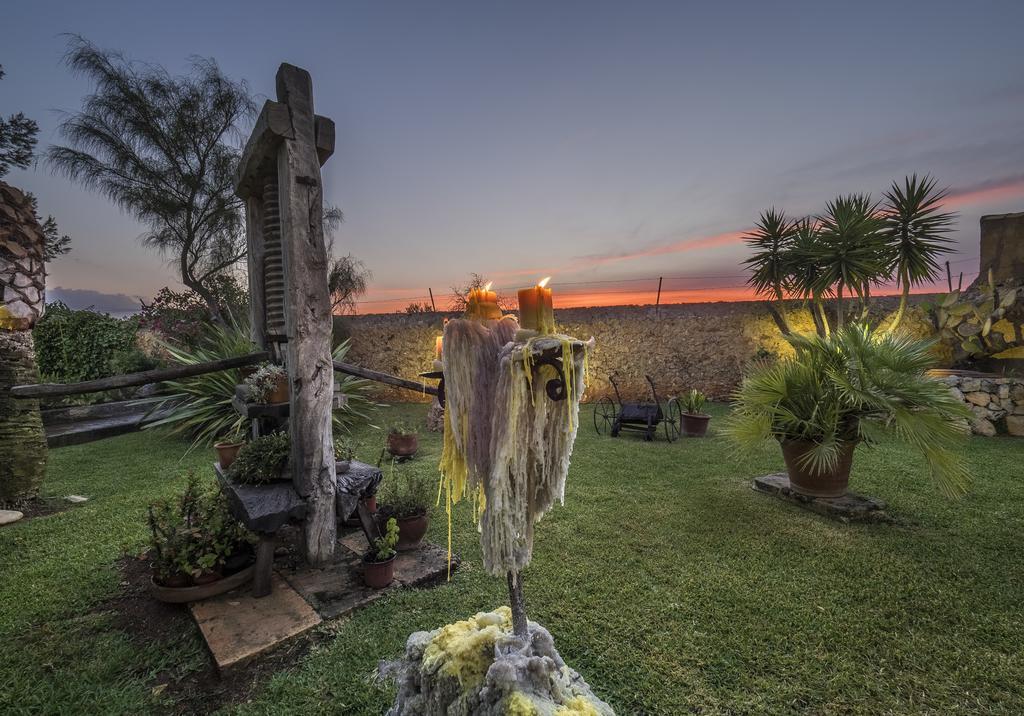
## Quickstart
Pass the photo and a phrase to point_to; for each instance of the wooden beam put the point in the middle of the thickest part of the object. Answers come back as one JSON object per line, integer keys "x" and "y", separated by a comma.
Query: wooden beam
{"x": 50, "y": 390}
{"x": 254, "y": 247}
{"x": 384, "y": 378}
{"x": 307, "y": 316}
{"x": 324, "y": 138}
{"x": 272, "y": 127}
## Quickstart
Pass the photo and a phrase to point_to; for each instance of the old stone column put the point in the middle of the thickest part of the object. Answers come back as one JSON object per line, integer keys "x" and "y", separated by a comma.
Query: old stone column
{"x": 22, "y": 301}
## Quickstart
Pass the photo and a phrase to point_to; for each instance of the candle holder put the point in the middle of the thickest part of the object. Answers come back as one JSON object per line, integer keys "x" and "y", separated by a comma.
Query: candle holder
{"x": 437, "y": 375}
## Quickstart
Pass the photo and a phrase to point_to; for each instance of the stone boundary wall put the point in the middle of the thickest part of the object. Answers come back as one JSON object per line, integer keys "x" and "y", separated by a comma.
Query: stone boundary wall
{"x": 699, "y": 345}
{"x": 997, "y": 403}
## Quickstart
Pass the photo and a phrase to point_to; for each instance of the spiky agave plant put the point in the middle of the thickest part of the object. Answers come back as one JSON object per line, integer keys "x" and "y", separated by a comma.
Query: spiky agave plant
{"x": 852, "y": 387}
{"x": 200, "y": 407}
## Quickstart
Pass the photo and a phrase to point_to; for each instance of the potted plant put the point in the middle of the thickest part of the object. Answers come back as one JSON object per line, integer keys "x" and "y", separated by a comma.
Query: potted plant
{"x": 404, "y": 496}
{"x": 228, "y": 445}
{"x": 379, "y": 562}
{"x": 262, "y": 460}
{"x": 269, "y": 384}
{"x": 694, "y": 419}
{"x": 403, "y": 440}
{"x": 197, "y": 547}
{"x": 344, "y": 453}
{"x": 851, "y": 388}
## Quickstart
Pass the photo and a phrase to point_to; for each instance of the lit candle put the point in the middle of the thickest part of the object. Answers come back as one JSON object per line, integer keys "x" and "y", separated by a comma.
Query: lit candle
{"x": 437, "y": 346}
{"x": 482, "y": 303}
{"x": 535, "y": 308}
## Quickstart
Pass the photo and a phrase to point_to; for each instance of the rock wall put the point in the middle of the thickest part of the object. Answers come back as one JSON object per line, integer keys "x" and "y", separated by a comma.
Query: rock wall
{"x": 700, "y": 345}
{"x": 997, "y": 403}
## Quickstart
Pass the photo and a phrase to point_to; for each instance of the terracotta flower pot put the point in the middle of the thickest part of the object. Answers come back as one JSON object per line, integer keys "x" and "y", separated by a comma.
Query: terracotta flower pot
{"x": 378, "y": 575}
{"x": 371, "y": 503}
{"x": 830, "y": 483}
{"x": 175, "y": 581}
{"x": 208, "y": 577}
{"x": 411, "y": 531}
{"x": 403, "y": 445}
{"x": 280, "y": 392}
{"x": 226, "y": 453}
{"x": 695, "y": 426}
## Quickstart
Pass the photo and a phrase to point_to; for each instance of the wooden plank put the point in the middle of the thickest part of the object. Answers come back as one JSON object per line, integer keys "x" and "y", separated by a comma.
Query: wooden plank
{"x": 384, "y": 378}
{"x": 49, "y": 390}
{"x": 307, "y": 316}
{"x": 272, "y": 126}
{"x": 324, "y": 139}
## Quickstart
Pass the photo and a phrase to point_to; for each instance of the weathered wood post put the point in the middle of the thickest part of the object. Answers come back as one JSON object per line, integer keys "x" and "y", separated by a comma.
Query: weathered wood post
{"x": 290, "y": 310}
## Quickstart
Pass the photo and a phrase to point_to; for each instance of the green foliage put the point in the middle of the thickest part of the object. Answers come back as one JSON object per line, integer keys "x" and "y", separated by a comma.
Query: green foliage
{"x": 965, "y": 324}
{"x": 264, "y": 381}
{"x": 344, "y": 448}
{"x": 184, "y": 318}
{"x": 17, "y": 140}
{"x": 384, "y": 547}
{"x": 73, "y": 346}
{"x": 853, "y": 387}
{"x": 200, "y": 407}
{"x": 262, "y": 460}
{"x": 407, "y": 492}
{"x": 693, "y": 402}
{"x": 770, "y": 240}
{"x": 193, "y": 532}
{"x": 401, "y": 427}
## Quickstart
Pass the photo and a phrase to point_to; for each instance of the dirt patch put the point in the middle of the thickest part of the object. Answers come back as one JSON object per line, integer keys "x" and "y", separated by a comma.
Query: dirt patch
{"x": 148, "y": 621}
{"x": 39, "y": 506}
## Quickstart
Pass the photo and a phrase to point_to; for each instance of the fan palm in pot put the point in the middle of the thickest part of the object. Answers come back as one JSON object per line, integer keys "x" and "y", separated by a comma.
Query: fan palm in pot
{"x": 850, "y": 388}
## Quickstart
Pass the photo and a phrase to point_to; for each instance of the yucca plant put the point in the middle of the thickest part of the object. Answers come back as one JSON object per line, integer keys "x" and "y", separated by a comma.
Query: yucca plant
{"x": 850, "y": 388}
{"x": 771, "y": 240}
{"x": 917, "y": 232}
{"x": 200, "y": 407}
{"x": 851, "y": 251}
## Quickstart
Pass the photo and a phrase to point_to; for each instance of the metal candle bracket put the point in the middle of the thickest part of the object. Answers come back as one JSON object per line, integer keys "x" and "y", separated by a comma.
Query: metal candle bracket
{"x": 555, "y": 388}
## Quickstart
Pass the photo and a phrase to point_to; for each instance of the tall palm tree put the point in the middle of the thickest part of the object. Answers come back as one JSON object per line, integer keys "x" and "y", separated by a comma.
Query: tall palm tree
{"x": 917, "y": 233}
{"x": 805, "y": 271}
{"x": 771, "y": 241}
{"x": 851, "y": 252}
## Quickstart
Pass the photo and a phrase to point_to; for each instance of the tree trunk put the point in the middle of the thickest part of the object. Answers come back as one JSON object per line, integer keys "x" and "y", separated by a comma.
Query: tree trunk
{"x": 22, "y": 439}
{"x": 840, "y": 318}
{"x": 819, "y": 307}
{"x": 904, "y": 295}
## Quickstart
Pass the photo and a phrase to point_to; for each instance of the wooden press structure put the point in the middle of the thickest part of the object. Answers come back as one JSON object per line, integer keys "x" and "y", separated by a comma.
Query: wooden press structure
{"x": 290, "y": 307}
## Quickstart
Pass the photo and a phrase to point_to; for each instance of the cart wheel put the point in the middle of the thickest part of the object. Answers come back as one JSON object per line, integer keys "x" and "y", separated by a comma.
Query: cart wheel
{"x": 604, "y": 416}
{"x": 673, "y": 420}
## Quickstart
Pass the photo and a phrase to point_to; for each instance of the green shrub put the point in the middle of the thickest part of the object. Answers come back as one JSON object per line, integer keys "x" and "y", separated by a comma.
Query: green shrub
{"x": 193, "y": 532}
{"x": 262, "y": 460}
{"x": 405, "y": 492}
{"x": 693, "y": 402}
{"x": 73, "y": 346}
{"x": 384, "y": 547}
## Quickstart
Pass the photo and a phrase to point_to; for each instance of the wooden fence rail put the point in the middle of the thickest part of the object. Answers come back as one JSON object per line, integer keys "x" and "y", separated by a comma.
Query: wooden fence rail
{"x": 50, "y": 390}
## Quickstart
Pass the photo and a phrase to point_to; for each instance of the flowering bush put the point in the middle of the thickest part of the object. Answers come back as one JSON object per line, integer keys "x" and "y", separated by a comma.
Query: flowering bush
{"x": 184, "y": 317}
{"x": 264, "y": 381}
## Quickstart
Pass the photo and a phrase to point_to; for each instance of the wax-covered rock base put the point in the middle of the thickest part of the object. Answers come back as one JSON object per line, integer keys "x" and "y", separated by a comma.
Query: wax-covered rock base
{"x": 478, "y": 666}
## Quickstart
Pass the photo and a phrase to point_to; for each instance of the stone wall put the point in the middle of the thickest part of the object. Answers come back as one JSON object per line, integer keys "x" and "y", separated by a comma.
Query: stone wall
{"x": 997, "y": 403}
{"x": 701, "y": 345}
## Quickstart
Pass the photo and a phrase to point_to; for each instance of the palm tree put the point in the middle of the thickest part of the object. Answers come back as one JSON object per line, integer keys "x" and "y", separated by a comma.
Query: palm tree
{"x": 851, "y": 250}
{"x": 771, "y": 240}
{"x": 805, "y": 272}
{"x": 159, "y": 147}
{"x": 917, "y": 233}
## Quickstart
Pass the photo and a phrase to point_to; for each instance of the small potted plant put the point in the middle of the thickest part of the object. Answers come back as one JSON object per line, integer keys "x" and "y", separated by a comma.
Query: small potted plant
{"x": 695, "y": 420}
{"x": 344, "y": 454}
{"x": 379, "y": 562}
{"x": 851, "y": 388}
{"x": 403, "y": 440}
{"x": 228, "y": 446}
{"x": 262, "y": 460}
{"x": 197, "y": 547}
{"x": 269, "y": 384}
{"x": 404, "y": 497}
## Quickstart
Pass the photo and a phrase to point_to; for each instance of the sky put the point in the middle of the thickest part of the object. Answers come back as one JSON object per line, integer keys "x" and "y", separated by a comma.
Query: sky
{"x": 604, "y": 143}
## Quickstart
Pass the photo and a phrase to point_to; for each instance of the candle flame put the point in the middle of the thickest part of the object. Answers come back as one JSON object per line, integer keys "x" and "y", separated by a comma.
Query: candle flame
{"x": 487, "y": 286}
{"x": 543, "y": 282}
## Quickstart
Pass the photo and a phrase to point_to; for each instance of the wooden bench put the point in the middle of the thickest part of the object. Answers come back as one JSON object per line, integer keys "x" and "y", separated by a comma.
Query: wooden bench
{"x": 264, "y": 509}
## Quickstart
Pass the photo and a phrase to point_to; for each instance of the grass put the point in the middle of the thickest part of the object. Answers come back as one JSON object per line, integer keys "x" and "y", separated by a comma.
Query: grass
{"x": 666, "y": 581}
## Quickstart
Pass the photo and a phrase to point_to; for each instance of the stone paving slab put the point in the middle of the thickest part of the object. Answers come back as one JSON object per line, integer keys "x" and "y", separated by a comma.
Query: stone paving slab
{"x": 851, "y": 507}
{"x": 238, "y": 626}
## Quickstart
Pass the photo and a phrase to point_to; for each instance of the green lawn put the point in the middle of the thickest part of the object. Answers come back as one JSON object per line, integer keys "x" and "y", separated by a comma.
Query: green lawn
{"x": 666, "y": 581}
